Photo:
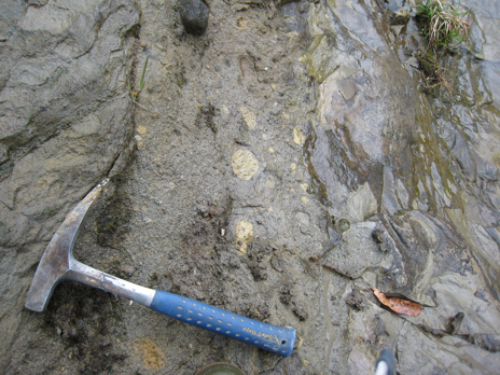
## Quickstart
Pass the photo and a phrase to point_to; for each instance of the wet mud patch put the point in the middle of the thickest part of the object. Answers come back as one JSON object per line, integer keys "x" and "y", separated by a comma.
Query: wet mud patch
{"x": 87, "y": 322}
{"x": 111, "y": 223}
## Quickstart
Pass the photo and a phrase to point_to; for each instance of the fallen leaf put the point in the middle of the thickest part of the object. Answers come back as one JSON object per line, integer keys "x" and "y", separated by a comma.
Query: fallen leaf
{"x": 398, "y": 305}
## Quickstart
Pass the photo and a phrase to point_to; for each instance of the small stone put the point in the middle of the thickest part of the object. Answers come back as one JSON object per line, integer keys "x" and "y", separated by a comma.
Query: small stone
{"x": 248, "y": 117}
{"x": 127, "y": 270}
{"x": 293, "y": 166}
{"x": 244, "y": 234}
{"x": 304, "y": 200}
{"x": 314, "y": 258}
{"x": 298, "y": 136}
{"x": 194, "y": 16}
{"x": 241, "y": 23}
{"x": 355, "y": 299}
{"x": 301, "y": 313}
{"x": 142, "y": 130}
{"x": 245, "y": 164}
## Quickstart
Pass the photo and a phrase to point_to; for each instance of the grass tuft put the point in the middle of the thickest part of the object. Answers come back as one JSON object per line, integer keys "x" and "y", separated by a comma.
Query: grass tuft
{"x": 134, "y": 95}
{"x": 442, "y": 24}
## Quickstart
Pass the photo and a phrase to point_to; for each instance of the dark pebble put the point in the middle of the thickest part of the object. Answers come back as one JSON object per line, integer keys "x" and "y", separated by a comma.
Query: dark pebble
{"x": 301, "y": 313}
{"x": 355, "y": 299}
{"x": 194, "y": 16}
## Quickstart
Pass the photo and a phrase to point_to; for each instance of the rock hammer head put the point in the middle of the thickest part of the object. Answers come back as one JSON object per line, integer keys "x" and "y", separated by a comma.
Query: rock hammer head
{"x": 55, "y": 265}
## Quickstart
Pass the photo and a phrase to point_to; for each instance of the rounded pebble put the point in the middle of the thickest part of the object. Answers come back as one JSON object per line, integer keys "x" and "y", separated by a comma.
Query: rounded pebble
{"x": 194, "y": 16}
{"x": 245, "y": 164}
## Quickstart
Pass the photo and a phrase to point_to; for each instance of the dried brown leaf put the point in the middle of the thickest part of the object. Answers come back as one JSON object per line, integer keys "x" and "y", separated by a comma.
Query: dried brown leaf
{"x": 398, "y": 305}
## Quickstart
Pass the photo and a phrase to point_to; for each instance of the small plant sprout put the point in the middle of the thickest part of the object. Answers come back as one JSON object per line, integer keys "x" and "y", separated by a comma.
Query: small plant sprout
{"x": 134, "y": 94}
{"x": 442, "y": 23}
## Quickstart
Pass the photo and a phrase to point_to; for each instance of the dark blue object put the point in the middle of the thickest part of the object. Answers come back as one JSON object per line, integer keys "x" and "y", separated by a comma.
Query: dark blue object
{"x": 279, "y": 340}
{"x": 387, "y": 357}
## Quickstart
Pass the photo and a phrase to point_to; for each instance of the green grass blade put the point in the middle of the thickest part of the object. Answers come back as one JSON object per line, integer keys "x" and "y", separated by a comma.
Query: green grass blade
{"x": 130, "y": 90}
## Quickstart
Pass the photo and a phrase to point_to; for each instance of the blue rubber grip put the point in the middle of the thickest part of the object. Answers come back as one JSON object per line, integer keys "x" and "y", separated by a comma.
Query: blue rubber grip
{"x": 279, "y": 340}
{"x": 387, "y": 357}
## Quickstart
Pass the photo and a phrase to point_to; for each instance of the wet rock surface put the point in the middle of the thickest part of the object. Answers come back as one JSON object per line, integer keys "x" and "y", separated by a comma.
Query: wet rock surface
{"x": 279, "y": 164}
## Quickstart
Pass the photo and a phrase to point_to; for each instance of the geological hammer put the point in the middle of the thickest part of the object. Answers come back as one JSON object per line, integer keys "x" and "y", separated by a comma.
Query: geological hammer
{"x": 58, "y": 264}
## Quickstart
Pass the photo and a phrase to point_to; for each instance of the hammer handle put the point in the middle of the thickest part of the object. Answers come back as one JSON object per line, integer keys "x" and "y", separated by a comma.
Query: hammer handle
{"x": 279, "y": 340}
